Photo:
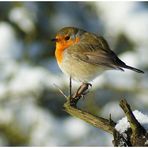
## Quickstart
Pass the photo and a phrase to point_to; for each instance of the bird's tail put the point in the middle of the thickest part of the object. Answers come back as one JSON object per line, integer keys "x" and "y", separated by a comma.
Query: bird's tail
{"x": 132, "y": 68}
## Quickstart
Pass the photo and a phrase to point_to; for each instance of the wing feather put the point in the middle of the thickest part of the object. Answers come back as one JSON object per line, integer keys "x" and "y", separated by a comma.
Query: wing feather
{"x": 97, "y": 55}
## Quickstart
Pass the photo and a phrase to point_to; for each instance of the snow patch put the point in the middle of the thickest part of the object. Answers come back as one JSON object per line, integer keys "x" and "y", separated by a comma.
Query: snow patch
{"x": 123, "y": 124}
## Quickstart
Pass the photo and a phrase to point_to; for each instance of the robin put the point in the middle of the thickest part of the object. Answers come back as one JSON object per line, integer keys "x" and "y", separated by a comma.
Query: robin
{"x": 84, "y": 55}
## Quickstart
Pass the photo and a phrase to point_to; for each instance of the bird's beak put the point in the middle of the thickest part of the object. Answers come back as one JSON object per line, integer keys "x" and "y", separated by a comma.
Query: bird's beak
{"x": 54, "y": 40}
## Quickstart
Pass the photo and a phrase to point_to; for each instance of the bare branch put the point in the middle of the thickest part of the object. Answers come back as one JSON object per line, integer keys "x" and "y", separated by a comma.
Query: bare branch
{"x": 98, "y": 122}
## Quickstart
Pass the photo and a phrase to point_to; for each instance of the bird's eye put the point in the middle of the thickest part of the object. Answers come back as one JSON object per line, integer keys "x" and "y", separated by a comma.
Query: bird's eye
{"x": 67, "y": 38}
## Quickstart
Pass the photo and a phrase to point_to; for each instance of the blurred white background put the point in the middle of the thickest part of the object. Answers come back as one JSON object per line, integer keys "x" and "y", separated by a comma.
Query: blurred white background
{"x": 31, "y": 108}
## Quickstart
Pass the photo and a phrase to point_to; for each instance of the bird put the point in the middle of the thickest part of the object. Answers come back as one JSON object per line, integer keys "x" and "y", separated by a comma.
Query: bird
{"x": 83, "y": 56}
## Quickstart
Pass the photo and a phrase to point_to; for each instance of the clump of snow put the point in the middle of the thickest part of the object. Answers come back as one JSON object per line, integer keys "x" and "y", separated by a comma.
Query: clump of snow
{"x": 123, "y": 124}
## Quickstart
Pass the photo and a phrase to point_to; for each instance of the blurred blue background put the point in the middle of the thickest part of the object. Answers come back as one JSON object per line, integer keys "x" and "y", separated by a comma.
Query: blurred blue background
{"x": 31, "y": 108}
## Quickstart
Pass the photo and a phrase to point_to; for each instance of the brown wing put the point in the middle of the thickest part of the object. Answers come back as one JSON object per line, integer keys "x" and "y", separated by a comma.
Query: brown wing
{"x": 95, "y": 50}
{"x": 97, "y": 53}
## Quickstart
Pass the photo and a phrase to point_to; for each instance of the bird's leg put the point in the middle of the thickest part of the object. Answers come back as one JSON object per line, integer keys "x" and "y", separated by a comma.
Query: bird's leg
{"x": 72, "y": 101}
{"x": 70, "y": 87}
{"x": 81, "y": 92}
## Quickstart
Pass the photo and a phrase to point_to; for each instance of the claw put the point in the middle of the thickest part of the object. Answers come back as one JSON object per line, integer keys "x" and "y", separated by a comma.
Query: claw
{"x": 82, "y": 91}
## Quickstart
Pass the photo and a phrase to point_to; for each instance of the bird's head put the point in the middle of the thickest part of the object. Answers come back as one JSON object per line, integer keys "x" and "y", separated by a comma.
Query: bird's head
{"x": 67, "y": 36}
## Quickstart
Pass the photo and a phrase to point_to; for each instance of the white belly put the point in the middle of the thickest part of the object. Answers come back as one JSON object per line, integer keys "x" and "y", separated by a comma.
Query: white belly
{"x": 79, "y": 70}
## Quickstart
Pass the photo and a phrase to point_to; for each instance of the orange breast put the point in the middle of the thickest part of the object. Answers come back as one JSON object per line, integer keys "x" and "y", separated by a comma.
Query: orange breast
{"x": 61, "y": 46}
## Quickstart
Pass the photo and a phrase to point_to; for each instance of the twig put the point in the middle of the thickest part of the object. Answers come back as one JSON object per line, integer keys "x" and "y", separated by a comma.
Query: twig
{"x": 61, "y": 91}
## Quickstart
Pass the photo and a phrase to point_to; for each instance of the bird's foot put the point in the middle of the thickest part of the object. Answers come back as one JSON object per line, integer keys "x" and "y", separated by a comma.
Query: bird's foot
{"x": 81, "y": 92}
